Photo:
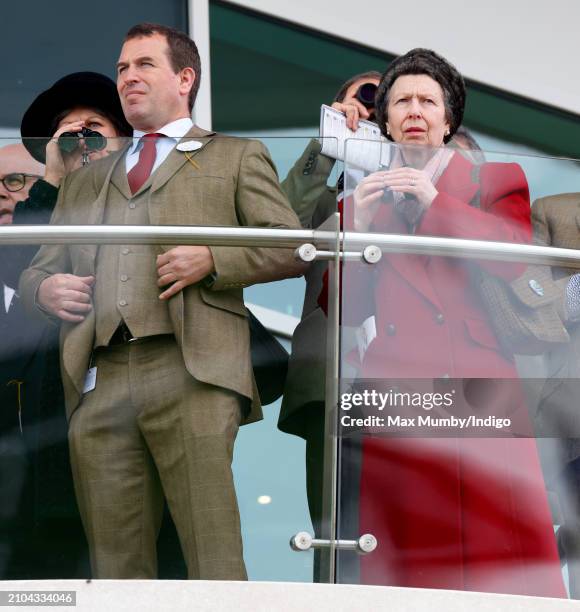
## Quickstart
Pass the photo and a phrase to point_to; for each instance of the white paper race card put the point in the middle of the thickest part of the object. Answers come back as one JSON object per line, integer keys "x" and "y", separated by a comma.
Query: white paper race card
{"x": 371, "y": 149}
{"x": 90, "y": 380}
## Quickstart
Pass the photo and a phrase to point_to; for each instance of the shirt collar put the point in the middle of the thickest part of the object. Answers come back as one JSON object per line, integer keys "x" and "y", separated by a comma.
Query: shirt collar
{"x": 8, "y": 295}
{"x": 175, "y": 130}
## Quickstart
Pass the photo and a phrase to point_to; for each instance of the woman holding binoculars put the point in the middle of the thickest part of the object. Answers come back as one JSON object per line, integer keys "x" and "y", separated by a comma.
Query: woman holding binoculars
{"x": 77, "y": 120}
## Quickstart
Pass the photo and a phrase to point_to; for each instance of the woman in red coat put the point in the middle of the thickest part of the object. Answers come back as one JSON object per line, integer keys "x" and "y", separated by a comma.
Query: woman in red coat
{"x": 471, "y": 513}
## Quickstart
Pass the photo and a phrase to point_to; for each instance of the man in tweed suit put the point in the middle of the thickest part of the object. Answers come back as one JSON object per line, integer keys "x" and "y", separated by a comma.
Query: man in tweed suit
{"x": 556, "y": 221}
{"x": 173, "y": 372}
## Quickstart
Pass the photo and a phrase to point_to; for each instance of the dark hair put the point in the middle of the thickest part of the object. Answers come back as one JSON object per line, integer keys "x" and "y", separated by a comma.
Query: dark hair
{"x": 424, "y": 61}
{"x": 122, "y": 129}
{"x": 183, "y": 51}
{"x": 371, "y": 74}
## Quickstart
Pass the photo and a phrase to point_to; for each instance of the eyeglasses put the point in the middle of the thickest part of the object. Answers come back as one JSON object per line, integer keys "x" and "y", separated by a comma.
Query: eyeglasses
{"x": 17, "y": 180}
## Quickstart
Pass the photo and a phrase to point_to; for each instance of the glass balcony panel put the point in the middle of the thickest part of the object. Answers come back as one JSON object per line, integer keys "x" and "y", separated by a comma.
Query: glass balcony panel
{"x": 454, "y": 423}
{"x": 269, "y": 468}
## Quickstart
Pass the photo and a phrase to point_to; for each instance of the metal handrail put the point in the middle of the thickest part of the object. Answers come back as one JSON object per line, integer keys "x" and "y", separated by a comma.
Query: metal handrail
{"x": 158, "y": 234}
{"x": 460, "y": 247}
{"x": 352, "y": 242}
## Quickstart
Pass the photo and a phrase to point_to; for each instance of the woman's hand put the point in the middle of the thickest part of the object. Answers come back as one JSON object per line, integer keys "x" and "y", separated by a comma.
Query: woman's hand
{"x": 367, "y": 197}
{"x": 414, "y": 182}
{"x": 368, "y": 194}
{"x": 57, "y": 164}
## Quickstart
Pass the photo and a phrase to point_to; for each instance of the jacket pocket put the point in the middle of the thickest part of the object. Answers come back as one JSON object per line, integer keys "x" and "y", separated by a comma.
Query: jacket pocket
{"x": 481, "y": 333}
{"x": 224, "y": 300}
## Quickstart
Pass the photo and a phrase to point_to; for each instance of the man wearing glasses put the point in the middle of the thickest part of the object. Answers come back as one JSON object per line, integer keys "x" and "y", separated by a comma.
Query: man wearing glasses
{"x": 18, "y": 172}
{"x": 19, "y": 338}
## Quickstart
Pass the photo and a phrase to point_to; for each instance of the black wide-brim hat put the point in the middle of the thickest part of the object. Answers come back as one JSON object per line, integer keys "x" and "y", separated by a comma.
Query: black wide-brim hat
{"x": 80, "y": 89}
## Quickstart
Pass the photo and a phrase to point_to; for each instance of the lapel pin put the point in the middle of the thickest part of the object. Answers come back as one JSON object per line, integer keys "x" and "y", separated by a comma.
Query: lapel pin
{"x": 536, "y": 287}
{"x": 190, "y": 145}
{"x": 187, "y": 148}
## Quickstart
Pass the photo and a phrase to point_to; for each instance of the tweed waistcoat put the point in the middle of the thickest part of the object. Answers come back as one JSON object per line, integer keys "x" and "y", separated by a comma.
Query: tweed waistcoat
{"x": 126, "y": 275}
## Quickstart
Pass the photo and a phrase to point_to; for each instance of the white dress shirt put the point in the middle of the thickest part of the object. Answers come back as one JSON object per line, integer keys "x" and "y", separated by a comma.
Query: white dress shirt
{"x": 173, "y": 131}
{"x": 8, "y": 295}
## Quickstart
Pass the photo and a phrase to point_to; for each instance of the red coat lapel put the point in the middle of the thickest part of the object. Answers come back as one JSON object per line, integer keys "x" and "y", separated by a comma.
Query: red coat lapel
{"x": 456, "y": 181}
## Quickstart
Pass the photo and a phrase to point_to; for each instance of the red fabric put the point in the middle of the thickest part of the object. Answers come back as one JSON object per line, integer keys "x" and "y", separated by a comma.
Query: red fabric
{"x": 141, "y": 171}
{"x": 439, "y": 324}
{"x": 463, "y": 514}
{"x": 468, "y": 514}
{"x": 323, "y": 295}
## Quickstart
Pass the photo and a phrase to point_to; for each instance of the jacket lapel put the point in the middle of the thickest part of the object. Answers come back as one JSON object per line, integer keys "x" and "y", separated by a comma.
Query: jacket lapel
{"x": 113, "y": 176}
{"x": 411, "y": 268}
{"x": 455, "y": 181}
{"x": 97, "y": 211}
{"x": 118, "y": 178}
{"x": 176, "y": 158}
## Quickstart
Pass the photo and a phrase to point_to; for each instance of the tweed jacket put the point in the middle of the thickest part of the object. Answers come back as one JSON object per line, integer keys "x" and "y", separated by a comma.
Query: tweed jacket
{"x": 556, "y": 223}
{"x": 231, "y": 182}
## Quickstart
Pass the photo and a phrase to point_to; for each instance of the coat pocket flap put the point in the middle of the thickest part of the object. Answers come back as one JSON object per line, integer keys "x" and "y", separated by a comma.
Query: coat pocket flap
{"x": 480, "y": 331}
{"x": 226, "y": 300}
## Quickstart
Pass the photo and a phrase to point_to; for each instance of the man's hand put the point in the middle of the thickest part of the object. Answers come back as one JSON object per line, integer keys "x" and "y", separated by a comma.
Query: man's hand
{"x": 66, "y": 296}
{"x": 353, "y": 110}
{"x": 183, "y": 266}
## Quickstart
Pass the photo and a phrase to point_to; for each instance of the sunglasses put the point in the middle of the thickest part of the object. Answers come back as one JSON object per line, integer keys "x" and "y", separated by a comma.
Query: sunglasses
{"x": 94, "y": 141}
{"x": 17, "y": 180}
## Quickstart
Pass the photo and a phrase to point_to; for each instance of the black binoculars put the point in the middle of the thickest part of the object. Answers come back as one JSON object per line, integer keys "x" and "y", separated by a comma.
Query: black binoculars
{"x": 94, "y": 141}
{"x": 365, "y": 94}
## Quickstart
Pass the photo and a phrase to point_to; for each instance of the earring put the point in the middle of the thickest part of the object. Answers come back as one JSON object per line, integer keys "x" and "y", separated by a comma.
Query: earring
{"x": 447, "y": 132}
{"x": 388, "y": 131}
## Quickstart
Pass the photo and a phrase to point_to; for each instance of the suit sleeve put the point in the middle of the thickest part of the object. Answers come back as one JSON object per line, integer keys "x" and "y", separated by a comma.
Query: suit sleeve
{"x": 306, "y": 182}
{"x": 543, "y": 237}
{"x": 259, "y": 202}
{"x": 50, "y": 259}
{"x": 503, "y": 215}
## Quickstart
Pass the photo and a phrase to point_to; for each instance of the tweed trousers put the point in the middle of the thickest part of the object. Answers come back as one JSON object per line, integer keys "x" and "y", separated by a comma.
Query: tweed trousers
{"x": 150, "y": 431}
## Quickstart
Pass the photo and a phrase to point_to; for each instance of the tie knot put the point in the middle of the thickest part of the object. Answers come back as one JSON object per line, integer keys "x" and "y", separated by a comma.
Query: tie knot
{"x": 149, "y": 140}
{"x": 144, "y": 166}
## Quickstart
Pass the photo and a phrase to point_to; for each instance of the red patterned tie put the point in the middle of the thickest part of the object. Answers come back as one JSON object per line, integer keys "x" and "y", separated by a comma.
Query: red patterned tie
{"x": 140, "y": 172}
